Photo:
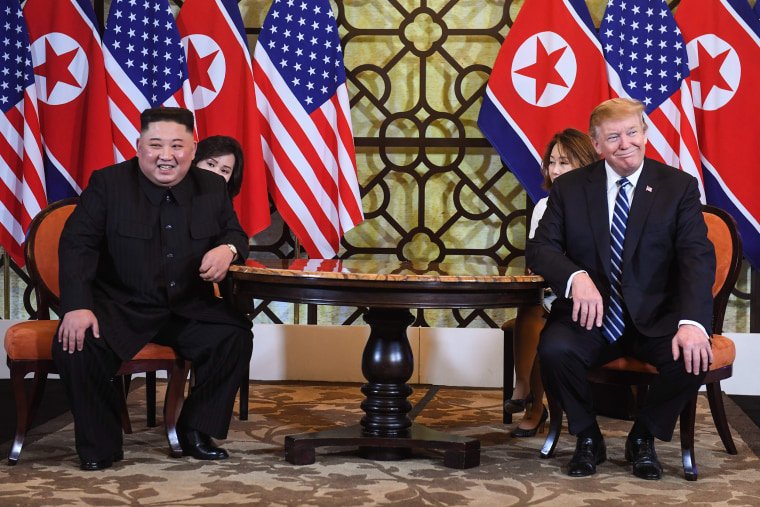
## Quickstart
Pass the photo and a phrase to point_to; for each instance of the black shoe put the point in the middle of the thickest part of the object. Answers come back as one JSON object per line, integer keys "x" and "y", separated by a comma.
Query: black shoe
{"x": 92, "y": 465}
{"x": 589, "y": 452}
{"x": 640, "y": 451}
{"x": 517, "y": 405}
{"x": 199, "y": 446}
{"x": 521, "y": 432}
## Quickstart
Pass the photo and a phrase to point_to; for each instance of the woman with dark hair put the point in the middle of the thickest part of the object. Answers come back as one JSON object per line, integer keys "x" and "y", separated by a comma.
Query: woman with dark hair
{"x": 567, "y": 150}
{"x": 224, "y": 156}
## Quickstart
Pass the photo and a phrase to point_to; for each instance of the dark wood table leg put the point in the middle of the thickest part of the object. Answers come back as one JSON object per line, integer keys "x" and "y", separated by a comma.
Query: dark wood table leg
{"x": 386, "y": 432}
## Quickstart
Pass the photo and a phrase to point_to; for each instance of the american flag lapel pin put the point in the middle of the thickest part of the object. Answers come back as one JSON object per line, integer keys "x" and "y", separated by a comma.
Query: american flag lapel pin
{"x": 648, "y": 189}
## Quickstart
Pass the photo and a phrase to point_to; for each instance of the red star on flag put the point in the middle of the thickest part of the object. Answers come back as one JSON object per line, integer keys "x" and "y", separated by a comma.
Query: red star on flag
{"x": 707, "y": 73}
{"x": 56, "y": 67}
{"x": 544, "y": 71}
{"x": 199, "y": 73}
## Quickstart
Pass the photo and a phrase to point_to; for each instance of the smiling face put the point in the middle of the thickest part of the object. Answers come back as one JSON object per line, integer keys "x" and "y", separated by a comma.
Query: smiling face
{"x": 559, "y": 162}
{"x": 164, "y": 152}
{"x": 621, "y": 142}
{"x": 219, "y": 164}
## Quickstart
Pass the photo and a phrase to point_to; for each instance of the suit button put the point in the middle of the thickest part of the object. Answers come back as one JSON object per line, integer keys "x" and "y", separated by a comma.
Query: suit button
{"x": 170, "y": 256}
{"x": 168, "y": 227}
{"x": 172, "y": 283}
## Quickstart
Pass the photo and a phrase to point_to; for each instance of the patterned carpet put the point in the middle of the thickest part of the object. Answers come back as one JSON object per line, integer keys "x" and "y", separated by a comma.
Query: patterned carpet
{"x": 510, "y": 472}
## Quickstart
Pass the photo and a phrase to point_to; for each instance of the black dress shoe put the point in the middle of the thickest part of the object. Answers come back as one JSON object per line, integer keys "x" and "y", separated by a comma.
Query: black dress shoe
{"x": 640, "y": 451}
{"x": 589, "y": 452}
{"x": 199, "y": 446}
{"x": 92, "y": 465}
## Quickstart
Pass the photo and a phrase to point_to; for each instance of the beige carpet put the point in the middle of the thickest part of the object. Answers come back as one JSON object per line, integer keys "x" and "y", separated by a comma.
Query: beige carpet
{"x": 510, "y": 473}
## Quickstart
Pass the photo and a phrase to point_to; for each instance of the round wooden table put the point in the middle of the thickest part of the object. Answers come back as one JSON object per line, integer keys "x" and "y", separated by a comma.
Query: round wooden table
{"x": 389, "y": 289}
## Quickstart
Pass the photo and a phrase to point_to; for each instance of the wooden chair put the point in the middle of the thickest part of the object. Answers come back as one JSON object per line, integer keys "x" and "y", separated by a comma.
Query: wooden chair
{"x": 721, "y": 230}
{"x": 28, "y": 344}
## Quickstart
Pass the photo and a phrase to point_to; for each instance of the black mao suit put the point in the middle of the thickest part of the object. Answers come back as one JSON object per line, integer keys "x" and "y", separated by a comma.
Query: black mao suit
{"x": 668, "y": 272}
{"x": 131, "y": 253}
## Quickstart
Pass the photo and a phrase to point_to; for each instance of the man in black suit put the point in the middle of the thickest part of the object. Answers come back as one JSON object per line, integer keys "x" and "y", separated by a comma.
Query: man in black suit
{"x": 138, "y": 259}
{"x": 660, "y": 289}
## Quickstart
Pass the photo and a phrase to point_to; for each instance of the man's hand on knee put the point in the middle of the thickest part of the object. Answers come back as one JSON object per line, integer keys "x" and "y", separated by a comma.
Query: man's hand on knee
{"x": 73, "y": 327}
{"x": 697, "y": 352}
{"x": 588, "y": 308}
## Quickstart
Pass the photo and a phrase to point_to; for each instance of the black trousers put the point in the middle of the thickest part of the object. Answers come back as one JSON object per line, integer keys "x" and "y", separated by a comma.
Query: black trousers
{"x": 567, "y": 351}
{"x": 220, "y": 355}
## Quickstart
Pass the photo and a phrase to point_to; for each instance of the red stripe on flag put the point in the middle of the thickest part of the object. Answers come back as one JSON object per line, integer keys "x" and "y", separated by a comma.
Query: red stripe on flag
{"x": 300, "y": 138}
{"x": 11, "y": 200}
{"x": 15, "y": 250}
{"x": 352, "y": 206}
{"x": 289, "y": 215}
{"x": 33, "y": 175}
{"x": 290, "y": 171}
{"x": 123, "y": 144}
{"x": 301, "y": 188}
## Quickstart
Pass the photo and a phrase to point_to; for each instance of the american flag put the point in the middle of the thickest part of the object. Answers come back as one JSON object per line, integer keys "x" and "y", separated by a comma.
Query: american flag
{"x": 307, "y": 141}
{"x": 22, "y": 180}
{"x": 646, "y": 57}
{"x": 146, "y": 66}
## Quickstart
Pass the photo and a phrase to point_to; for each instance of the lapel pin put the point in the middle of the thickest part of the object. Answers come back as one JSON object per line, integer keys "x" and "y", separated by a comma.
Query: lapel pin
{"x": 648, "y": 189}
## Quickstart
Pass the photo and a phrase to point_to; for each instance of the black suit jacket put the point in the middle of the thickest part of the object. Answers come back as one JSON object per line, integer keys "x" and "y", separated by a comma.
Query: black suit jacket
{"x": 133, "y": 267}
{"x": 668, "y": 262}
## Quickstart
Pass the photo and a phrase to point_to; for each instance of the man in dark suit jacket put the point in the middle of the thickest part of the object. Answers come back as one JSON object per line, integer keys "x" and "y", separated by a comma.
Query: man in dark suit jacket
{"x": 138, "y": 259}
{"x": 668, "y": 267}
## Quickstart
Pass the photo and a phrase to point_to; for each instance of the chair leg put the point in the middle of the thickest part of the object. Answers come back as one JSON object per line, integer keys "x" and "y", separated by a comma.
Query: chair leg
{"x": 121, "y": 385}
{"x": 688, "y": 416}
{"x": 509, "y": 371}
{"x": 22, "y": 413}
{"x": 38, "y": 388}
{"x": 244, "y": 395}
{"x": 150, "y": 398}
{"x": 715, "y": 398}
{"x": 175, "y": 396}
{"x": 555, "y": 427}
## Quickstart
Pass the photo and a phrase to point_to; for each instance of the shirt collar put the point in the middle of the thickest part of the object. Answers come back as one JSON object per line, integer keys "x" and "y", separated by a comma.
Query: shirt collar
{"x": 613, "y": 177}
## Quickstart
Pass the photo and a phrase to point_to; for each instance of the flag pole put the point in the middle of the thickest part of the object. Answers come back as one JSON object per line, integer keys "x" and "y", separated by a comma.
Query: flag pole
{"x": 6, "y": 285}
{"x": 296, "y": 306}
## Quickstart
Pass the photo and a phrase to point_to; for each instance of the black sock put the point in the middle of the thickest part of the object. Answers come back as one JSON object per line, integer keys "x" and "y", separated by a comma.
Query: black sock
{"x": 639, "y": 430}
{"x": 591, "y": 431}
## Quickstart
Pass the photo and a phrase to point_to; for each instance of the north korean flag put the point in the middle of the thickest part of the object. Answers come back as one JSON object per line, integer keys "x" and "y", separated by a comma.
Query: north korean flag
{"x": 221, "y": 80}
{"x": 723, "y": 44}
{"x": 70, "y": 80}
{"x": 548, "y": 76}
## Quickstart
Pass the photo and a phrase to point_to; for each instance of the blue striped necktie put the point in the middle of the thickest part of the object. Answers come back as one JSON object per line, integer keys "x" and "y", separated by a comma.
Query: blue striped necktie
{"x": 613, "y": 325}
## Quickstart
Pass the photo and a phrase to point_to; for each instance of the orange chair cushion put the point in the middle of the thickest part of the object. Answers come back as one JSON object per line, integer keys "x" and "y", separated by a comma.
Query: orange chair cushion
{"x": 724, "y": 354}
{"x": 32, "y": 340}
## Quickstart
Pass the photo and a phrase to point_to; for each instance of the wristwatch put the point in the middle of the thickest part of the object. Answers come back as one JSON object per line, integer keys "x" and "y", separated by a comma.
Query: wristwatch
{"x": 234, "y": 251}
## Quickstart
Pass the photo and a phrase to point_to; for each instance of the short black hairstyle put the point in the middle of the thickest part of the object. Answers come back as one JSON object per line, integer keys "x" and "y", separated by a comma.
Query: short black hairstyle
{"x": 174, "y": 114}
{"x": 216, "y": 146}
